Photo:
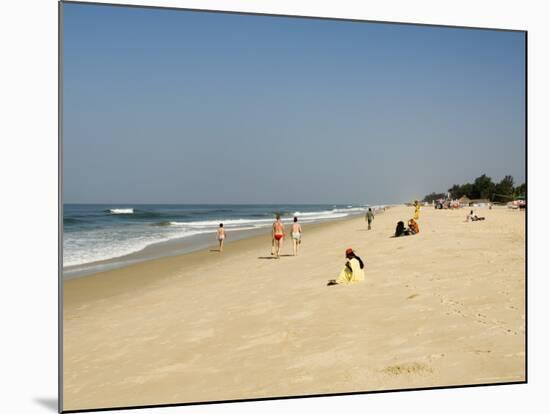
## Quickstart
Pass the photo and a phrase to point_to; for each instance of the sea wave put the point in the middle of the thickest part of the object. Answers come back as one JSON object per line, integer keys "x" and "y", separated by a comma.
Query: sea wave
{"x": 102, "y": 244}
{"x": 227, "y": 223}
{"x": 71, "y": 220}
{"x": 120, "y": 210}
{"x": 162, "y": 223}
{"x": 97, "y": 244}
{"x": 330, "y": 213}
{"x": 257, "y": 222}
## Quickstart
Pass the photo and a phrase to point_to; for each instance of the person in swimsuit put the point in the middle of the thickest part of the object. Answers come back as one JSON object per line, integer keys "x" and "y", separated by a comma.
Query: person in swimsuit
{"x": 296, "y": 235}
{"x": 278, "y": 232}
{"x": 221, "y": 236}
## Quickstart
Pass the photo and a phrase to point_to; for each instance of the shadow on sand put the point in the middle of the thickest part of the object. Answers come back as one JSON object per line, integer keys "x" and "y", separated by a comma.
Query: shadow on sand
{"x": 274, "y": 257}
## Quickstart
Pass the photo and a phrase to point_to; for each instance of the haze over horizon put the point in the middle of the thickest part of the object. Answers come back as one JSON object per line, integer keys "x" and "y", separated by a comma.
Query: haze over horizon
{"x": 166, "y": 106}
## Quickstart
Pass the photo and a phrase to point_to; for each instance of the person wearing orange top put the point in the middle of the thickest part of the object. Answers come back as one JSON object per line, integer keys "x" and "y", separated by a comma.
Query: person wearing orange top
{"x": 413, "y": 226}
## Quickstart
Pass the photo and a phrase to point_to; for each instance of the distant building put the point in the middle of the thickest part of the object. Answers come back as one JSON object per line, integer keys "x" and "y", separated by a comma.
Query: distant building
{"x": 480, "y": 202}
{"x": 464, "y": 201}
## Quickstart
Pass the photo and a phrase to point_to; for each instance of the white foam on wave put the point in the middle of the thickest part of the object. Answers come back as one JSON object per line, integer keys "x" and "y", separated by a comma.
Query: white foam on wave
{"x": 121, "y": 210}
{"x": 335, "y": 212}
{"x": 237, "y": 224}
{"x": 216, "y": 223}
{"x": 349, "y": 210}
{"x": 312, "y": 213}
{"x": 103, "y": 244}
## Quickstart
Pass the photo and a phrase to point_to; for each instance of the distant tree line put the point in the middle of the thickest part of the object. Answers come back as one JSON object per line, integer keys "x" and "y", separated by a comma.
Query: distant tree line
{"x": 483, "y": 187}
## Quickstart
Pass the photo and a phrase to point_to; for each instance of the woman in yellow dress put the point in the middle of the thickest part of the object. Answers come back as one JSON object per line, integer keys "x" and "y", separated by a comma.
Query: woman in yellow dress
{"x": 416, "y": 210}
{"x": 352, "y": 271}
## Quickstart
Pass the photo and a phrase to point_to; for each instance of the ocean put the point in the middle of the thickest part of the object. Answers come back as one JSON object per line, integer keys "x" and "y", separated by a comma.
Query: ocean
{"x": 101, "y": 236}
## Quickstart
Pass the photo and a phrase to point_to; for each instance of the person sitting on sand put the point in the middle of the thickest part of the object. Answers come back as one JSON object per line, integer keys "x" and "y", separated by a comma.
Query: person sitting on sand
{"x": 352, "y": 271}
{"x": 413, "y": 227}
{"x": 473, "y": 217}
{"x": 401, "y": 230}
{"x": 221, "y": 236}
{"x": 296, "y": 235}
{"x": 278, "y": 232}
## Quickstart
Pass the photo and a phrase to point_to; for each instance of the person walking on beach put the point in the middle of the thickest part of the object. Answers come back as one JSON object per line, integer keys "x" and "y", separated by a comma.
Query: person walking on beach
{"x": 296, "y": 235}
{"x": 278, "y": 232}
{"x": 369, "y": 217}
{"x": 220, "y": 234}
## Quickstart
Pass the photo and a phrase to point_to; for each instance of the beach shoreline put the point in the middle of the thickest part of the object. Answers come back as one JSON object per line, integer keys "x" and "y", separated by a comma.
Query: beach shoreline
{"x": 184, "y": 244}
{"x": 444, "y": 307}
{"x": 210, "y": 250}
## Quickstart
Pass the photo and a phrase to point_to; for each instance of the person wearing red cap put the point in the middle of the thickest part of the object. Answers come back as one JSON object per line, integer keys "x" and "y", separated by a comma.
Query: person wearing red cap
{"x": 352, "y": 271}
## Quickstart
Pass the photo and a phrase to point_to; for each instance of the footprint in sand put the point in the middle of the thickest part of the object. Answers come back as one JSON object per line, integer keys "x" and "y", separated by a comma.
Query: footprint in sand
{"x": 415, "y": 368}
{"x": 436, "y": 356}
{"x": 482, "y": 351}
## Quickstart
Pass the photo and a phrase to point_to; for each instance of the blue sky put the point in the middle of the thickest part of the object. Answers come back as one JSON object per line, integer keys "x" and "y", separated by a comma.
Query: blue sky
{"x": 166, "y": 106}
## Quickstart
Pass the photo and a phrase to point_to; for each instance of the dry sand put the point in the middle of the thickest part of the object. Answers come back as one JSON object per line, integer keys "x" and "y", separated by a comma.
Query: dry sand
{"x": 444, "y": 307}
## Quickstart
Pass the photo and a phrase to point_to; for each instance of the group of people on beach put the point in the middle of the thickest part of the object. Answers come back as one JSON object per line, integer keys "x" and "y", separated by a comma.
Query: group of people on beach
{"x": 278, "y": 234}
{"x": 412, "y": 228}
{"x": 353, "y": 270}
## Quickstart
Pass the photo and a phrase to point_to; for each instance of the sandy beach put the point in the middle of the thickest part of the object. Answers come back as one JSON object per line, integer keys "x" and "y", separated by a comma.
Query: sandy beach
{"x": 444, "y": 307}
